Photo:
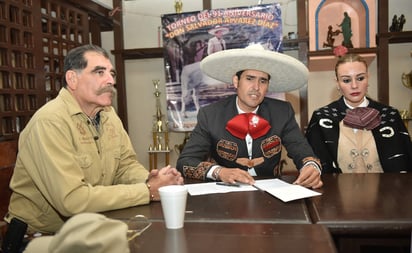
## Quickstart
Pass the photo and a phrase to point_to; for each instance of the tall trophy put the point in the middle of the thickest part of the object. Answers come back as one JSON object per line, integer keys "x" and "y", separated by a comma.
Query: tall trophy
{"x": 178, "y": 6}
{"x": 407, "y": 82}
{"x": 159, "y": 132}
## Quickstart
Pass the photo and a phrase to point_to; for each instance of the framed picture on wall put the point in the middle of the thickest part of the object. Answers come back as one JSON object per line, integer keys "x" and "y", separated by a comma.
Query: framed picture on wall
{"x": 190, "y": 37}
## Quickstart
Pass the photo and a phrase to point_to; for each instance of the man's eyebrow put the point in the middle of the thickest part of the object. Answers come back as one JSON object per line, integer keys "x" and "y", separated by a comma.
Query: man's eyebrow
{"x": 260, "y": 77}
{"x": 97, "y": 68}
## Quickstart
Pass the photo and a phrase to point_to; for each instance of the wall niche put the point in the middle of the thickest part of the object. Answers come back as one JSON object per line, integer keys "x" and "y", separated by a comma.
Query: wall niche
{"x": 328, "y": 16}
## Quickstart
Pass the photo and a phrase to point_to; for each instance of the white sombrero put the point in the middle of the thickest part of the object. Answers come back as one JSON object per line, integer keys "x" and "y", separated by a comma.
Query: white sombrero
{"x": 217, "y": 28}
{"x": 286, "y": 73}
{"x": 85, "y": 232}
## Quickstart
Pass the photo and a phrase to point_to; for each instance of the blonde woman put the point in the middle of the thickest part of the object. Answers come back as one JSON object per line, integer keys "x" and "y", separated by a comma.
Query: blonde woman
{"x": 355, "y": 133}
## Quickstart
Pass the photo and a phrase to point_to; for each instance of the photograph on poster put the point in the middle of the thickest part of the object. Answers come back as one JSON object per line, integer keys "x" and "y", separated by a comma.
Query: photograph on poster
{"x": 190, "y": 37}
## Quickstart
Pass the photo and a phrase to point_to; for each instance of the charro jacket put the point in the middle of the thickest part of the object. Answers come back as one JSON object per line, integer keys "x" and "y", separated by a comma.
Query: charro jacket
{"x": 211, "y": 144}
{"x": 392, "y": 140}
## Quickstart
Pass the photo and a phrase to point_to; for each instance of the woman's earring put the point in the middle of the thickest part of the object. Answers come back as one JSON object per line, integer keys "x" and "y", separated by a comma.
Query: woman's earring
{"x": 338, "y": 89}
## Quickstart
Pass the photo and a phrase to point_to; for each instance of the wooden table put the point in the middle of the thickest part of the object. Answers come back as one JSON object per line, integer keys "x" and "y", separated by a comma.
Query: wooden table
{"x": 252, "y": 221}
{"x": 365, "y": 210}
{"x": 243, "y": 207}
{"x": 234, "y": 237}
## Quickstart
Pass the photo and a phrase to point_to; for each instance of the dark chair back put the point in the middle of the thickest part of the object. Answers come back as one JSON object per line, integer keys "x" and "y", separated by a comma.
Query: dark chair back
{"x": 8, "y": 154}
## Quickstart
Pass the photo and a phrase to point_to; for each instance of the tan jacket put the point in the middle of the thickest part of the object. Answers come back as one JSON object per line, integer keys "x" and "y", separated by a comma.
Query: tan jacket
{"x": 65, "y": 166}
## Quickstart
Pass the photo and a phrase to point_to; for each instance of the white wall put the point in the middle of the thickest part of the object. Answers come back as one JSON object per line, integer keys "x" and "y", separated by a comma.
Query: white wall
{"x": 141, "y": 22}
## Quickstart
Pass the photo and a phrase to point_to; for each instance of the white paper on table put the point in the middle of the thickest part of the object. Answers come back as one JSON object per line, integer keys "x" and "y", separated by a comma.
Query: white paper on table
{"x": 209, "y": 188}
{"x": 283, "y": 190}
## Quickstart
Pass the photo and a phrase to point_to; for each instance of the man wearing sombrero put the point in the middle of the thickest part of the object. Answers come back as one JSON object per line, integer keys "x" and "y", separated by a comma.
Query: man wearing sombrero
{"x": 217, "y": 43}
{"x": 242, "y": 136}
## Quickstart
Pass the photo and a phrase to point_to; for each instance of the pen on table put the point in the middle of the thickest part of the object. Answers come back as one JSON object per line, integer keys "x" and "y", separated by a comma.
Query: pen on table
{"x": 256, "y": 187}
{"x": 227, "y": 184}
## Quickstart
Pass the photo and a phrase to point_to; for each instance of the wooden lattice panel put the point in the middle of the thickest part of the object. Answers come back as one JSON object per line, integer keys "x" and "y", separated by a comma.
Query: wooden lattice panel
{"x": 63, "y": 28}
{"x": 35, "y": 36}
{"x": 17, "y": 66}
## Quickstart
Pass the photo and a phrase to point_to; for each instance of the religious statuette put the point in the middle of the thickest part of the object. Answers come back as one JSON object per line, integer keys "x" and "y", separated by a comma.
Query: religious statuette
{"x": 330, "y": 40}
{"x": 346, "y": 30}
{"x": 397, "y": 23}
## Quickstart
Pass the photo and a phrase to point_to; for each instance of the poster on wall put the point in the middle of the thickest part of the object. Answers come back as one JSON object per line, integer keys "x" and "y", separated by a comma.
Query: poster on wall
{"x": 189, "y": 37}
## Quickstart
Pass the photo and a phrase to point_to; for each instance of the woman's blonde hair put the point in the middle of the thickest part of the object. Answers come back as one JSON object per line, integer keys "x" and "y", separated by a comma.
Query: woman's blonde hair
{"x": 349, "y": 58}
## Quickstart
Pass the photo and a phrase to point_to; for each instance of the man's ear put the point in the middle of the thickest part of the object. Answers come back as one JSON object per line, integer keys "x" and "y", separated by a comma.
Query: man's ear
{"x": 71, "y": 79}
{"x": 235, "y": 81}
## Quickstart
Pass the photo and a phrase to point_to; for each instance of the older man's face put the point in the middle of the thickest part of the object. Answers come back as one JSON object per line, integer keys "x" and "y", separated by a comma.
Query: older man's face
{"x": 92, "y": 87}
{"x": 251, "y": 89}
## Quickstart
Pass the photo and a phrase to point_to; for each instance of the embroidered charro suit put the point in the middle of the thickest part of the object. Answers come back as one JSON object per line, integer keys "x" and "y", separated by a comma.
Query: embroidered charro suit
{"x": 211, "y": 144}
{"x": 391, "y": 137}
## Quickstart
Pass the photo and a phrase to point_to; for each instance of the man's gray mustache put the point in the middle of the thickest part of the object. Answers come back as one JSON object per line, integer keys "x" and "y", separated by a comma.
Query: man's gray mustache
{"x": 111, "y": 89}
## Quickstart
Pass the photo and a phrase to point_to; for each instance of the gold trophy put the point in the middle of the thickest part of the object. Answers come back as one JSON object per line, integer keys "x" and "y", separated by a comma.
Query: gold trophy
{"x": 159, "y": 116}
{"x": 159, "y": 132}
{"x": 178, "y": 6}
{"x": 407, "y": 80}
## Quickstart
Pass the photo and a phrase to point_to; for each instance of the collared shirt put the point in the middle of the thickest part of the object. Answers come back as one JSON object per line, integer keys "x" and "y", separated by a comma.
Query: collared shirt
{"x": 65, "y": 166}
{"x": 357, "y": 152}
{"x": 364, "y": 103}
{"x": 249, "y": 144}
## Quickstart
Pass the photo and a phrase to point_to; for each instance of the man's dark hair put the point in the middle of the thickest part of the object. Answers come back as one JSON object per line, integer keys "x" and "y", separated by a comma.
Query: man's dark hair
{"x": 75, "y": 60}
{"x": 239, "y": 73}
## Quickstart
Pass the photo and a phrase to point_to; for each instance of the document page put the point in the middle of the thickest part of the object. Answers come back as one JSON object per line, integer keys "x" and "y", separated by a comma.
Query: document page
{"x": 276, "y": 187}
{"x": 217, "y": 187}
{"x": 283, "y": 190}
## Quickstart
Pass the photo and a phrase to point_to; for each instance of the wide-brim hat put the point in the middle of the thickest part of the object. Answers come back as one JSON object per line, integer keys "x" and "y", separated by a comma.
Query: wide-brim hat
{"x": 286, "y": 73}
{"x": 217, "y": 28}
{"x": 85, "y": 232}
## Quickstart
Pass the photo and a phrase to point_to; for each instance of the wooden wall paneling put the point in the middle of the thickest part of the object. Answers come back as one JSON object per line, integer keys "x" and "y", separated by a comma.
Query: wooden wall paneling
{"x": 301, "y": 10}
{"x": 63, "y": 28}
{"x": 383, "y": 54}
{"x": 35, "y": 36}
{"x": 119, "y": 63}
{"x": 207, "y": 4}
{"x": 95, "y": 37}
{"x": 95, "y": 11}
{"x": 8, "y": 153}
{"x": 19, "y": 66}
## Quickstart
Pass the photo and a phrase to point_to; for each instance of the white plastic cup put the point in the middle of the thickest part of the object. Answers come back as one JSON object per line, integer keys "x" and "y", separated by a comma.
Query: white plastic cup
{"x": 173, "y": 200}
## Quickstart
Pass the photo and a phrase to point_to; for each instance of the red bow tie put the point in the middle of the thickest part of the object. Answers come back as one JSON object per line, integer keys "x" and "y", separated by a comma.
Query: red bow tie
{"x": 245, "y": 123}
